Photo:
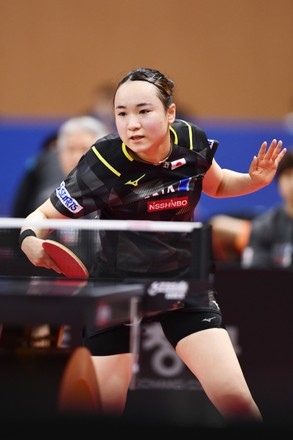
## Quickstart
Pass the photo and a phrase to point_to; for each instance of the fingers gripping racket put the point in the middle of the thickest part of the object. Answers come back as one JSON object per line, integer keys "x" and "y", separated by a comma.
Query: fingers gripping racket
{"x": 67, "y": 261}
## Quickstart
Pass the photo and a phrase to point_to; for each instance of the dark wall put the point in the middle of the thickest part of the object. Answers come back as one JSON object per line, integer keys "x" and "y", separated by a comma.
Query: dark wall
{"x": 259, "y": 304}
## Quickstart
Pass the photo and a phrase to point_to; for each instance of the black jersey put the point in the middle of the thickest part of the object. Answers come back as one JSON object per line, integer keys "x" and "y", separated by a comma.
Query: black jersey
{"x": 110, "y": 180}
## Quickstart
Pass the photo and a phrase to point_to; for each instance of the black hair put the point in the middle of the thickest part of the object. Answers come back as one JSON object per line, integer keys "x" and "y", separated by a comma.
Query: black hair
{"x": 164, "y": 84}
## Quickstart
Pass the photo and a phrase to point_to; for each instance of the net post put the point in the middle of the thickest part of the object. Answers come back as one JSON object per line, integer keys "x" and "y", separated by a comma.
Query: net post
{"x": 135, "y": 323}
{"x": 201, "y": 264}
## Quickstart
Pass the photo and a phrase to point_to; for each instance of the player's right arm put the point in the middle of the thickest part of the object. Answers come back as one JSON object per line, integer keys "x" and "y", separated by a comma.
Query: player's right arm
{"x": 31, "y": 245}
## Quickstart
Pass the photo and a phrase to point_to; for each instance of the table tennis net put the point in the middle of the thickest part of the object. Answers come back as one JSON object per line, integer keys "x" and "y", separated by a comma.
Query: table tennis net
{"x": 83, "y": 238}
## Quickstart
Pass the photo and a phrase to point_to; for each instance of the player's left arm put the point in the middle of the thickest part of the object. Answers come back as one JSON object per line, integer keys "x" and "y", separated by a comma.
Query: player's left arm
{"x": 219, "y": 182}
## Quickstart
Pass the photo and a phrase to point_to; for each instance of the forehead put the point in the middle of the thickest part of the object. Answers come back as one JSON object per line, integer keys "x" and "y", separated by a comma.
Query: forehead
{"x": 134, "y": 92}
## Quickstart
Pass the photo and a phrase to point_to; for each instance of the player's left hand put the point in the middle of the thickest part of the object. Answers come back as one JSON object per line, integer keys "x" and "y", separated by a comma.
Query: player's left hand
{"x": 264, "y": 166}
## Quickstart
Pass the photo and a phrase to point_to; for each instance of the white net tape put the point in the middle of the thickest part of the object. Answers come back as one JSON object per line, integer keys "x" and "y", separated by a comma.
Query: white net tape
{"x": 86, "y": 224}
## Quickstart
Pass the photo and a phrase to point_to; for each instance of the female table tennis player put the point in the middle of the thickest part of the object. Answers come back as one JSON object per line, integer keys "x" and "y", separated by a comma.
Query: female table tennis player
{"x": 155, "y": 168}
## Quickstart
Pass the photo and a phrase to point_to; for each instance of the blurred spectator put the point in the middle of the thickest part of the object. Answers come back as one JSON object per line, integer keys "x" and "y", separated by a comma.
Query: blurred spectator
{"x": 37, "y": 169}
{"x": 230, "y": 236}
{"x": 271, "y": 239}
{"x": 59, "y": 154}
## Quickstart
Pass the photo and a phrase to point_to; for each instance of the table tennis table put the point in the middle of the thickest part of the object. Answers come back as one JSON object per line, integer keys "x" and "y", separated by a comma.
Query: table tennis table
{"x": 58, "y": 300}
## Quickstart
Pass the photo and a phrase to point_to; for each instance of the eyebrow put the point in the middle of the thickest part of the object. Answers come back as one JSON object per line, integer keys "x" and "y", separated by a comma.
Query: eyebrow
{"x": 142, "y": 104}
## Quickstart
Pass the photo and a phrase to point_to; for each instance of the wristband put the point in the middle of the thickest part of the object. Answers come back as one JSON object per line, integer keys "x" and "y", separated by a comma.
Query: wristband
{"x": 26, "y": 233}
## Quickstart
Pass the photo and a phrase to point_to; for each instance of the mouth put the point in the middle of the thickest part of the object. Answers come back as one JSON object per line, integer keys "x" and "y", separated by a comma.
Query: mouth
{"x": 136, "y": 138}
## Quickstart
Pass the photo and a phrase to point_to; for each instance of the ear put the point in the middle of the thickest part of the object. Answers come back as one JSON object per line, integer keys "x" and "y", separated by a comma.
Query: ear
{"x": 171, "y": 112}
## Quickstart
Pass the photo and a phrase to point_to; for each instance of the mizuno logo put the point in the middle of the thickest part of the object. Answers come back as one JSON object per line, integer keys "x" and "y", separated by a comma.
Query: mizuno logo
{"x": 134, "y": 182}
{"x": 208, "y": 319}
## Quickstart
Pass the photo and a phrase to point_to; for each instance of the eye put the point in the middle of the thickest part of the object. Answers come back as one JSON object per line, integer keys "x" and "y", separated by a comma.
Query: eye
{"x": 144, "y": 111}
{"x": 121, "y": 113}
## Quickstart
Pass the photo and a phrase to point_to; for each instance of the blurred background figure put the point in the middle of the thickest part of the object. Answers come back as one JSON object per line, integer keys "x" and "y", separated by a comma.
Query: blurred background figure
{"x": 270, "y": 242}
{"x": 59, "y": 154}
{"x": 36, "y": 169}
{"x": 230, "y": 235}
{"x": 38, "y": 172}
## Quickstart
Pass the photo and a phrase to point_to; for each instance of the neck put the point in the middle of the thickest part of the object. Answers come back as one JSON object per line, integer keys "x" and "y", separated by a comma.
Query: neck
{"x": 158, "y": 161}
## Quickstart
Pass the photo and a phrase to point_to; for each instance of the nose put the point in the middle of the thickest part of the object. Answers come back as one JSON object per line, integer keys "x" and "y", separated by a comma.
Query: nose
{"x": 133, "y": 123}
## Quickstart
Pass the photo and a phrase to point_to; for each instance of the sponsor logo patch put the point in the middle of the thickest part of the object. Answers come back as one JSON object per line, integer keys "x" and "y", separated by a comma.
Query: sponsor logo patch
{"x": 176, "y": 290}
{"x": 166, "y": 204}
{"x": 66, "y": 200}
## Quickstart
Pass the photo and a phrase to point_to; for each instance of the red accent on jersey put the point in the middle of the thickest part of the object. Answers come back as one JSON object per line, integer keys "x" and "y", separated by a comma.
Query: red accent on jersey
{"x": 178, "y": 163}
{"x": 166, "y": 204}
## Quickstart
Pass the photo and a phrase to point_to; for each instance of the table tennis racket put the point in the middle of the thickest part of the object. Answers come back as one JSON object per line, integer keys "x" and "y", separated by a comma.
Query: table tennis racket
{"x": 69, "y": 263}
